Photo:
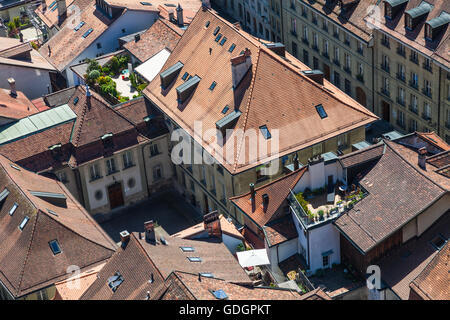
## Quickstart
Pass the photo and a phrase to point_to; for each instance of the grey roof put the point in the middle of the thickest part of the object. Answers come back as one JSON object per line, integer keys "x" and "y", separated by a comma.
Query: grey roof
{"x": 329, "y": 156}
{"x": 444, "y": 18}
{"x": 60, "y": 97}
{"x": 395, "y": 3}
{"x": 361, "y": 145}
{"x": 422, "y": 9}
{"x": 228, "y": 119}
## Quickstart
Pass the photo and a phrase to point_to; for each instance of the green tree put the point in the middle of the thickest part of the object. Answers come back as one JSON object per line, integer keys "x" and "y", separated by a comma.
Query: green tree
{"x": 16, "y": 22}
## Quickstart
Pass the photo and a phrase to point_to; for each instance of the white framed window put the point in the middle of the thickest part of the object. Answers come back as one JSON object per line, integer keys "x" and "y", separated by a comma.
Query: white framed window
{"x": 111, "y": 166}
{"x": 95, "y": 171}
{"x": 127, "y": 159}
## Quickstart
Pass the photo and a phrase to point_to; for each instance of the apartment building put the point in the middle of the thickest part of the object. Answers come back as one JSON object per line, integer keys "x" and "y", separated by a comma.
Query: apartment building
{"x": 333, "y": 37}
{"x": 225, "y": 78}
{"x": 106, "y": 156}
{"x": 253, "y": 15}
{"x": 412, "y": 65}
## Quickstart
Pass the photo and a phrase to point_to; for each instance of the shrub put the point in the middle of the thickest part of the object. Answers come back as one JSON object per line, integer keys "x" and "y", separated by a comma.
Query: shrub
{"x": 124, "y": 99}
{"x": 93, "y": 65}
{"x": 16, "y": 22}
{"x": 34, "y": 45}
{"x": 93, "y": 75}
{"x": 142, "y": 86}
{"x": 304, "y": 204}
{"x": 240, "y": 247}
{"x": 321, "y": 213}
{"x": 106, "y": 70}
{"x": 114, "y": 65}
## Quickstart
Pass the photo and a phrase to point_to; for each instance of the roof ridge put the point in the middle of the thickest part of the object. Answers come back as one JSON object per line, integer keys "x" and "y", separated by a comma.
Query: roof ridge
{"x": 377, "y": 145}
{"x": 247, "y": 111}
{"x": 22, "y": 273}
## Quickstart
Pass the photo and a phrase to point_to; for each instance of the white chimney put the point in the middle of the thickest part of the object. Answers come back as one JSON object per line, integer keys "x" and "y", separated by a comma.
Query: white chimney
{"x": 240, "y": 66}
{"x": 316, "y": 169}
{"x": 12, "y": 85}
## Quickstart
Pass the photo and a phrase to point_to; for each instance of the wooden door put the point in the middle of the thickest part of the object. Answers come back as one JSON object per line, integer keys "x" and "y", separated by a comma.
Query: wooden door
{"x": 115, "y": 195}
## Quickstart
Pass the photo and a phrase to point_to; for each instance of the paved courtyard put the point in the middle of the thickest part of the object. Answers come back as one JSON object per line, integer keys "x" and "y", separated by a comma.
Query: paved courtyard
{"x": 169, "y": 210}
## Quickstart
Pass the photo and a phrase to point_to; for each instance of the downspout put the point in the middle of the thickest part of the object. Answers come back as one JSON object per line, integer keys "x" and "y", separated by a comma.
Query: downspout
{"x": 145, "y": 171}
{"x": 373, "y": 78}
{"x": 309, "y": 258}
{"x": 79, "y": 186}
{"x": 439, "y": 104}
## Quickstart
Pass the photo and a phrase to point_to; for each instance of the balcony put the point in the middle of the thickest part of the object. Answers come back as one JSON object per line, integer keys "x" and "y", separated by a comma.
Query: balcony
{"x": 426, "y": 117}
{"x": 400, "y": 76}
{"x": 385, "y": 43}
{"x": 348, "y": 70}
{"x": 385, "y": 92}
{"x": 294, "y": 33}
{"x": 305, "y": 41}
{"x": 385, "y": 67}
{"x": 401, "y": 101}
{"x": 401, "y": 52}
{"x": 315, "y": 47}
{"x": 336, "y": 62}
{"x": 428, "y": 67}
{"x": 360, "y": 78}
{"x": 413, "y": 108}
{"x": 413, "y": 84}
{"x": 325, "y": 55}
{"x": 427, "y": 92}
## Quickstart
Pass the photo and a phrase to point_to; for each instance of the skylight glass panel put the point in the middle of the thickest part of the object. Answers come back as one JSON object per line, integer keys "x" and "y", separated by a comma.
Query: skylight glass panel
{"x": 438, "y": 242}
{"x": 55, "y": 7}
{"x": 4, "y": 194}
{"x": 52, "y": 4}
{"x": 195, "y": 259}
{"x": 212, "y": 86}
{"x": 144, "y": 3}
{"x": 52, "y": 212}
{"x": 321, "y": 111}
{"x": 265, "y": 132}
{"x": 54, "y": 245}
{"x": 224, "y": 39}
{"x": 15, "y": 167}
{"x": 207, "y": 274}
{"x": 218, "y": 37}
{"x": 24, "y": 223}
{"x": 216, "y": 30}
{"x": 185, "y": 75}
{"x": 220, "y": 294}
{"x": 225, "y": 110}
{"x": 232, "y": 47}
{"x": 207, "y": 24}
{"x": 13, "y": 208}
{"x": 79, "y": 26}
{"x": 87, "y": 33}
{"x": 187, "y": 249}
{"x": 75, "y": 101}
{"x": 115, "y": 281}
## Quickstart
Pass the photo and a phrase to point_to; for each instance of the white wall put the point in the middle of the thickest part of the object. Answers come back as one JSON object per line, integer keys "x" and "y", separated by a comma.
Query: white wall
{"x": 317, "y": 175}
{"x": 131, "y": 21}
{"x": 121, "y": 176}
{"x": 322, "y": 239}
{"x": 32, "y": 82}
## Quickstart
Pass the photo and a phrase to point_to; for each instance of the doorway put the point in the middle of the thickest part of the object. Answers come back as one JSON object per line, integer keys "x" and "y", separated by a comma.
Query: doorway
{"x": 115, "y": 195}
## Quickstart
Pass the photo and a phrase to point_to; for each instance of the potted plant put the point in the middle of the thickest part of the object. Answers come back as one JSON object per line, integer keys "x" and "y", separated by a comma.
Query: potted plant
{"x": 321, "y": 213}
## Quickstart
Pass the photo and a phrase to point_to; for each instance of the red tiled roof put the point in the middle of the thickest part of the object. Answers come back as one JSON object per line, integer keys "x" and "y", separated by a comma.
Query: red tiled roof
{"x": 17, "y": 107}
{"x": 362, "y": 156}
{"x": 160, "y": 35}
{"x": 434, "y": 139}
{"x": 277, "y": 191}
{"x": 280, "y": 231}
{"x": 136, "y": 268}
{"x": 395, "y": 185}
{"x": 27, "y": 263}
{"x": 271, "y": 81}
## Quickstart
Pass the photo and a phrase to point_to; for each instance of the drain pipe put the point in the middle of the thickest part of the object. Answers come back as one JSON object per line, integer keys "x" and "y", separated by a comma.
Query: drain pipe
{"x": 145, "y": 170}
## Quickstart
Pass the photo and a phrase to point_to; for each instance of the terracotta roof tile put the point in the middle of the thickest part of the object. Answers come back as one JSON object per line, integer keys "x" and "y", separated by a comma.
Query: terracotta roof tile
{"x": 160, "y": 35}
{"x": 362, "y": 156}
{"x": 280, "y": 231}
{"x": 272, "y": 81}
{"x": 17, "y": 107}
{"x": 227, "y": 227}
{"x": 26, "y": 259}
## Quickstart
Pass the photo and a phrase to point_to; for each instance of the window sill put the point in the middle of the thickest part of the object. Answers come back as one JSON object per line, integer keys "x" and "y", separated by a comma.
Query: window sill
{"x": 95, "y": 178}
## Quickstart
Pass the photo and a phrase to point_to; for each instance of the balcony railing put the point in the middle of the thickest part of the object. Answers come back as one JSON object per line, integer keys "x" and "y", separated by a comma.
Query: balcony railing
{"x": 385, "y": 67}
{"x": 413, "y": 84}
{"x": 413, "y": 109}
{"x": 385, "y": 92}
{"x": 400, "y": 76}
{"x": 428, "y": 67}
{"x": 426, "y": 92}
{"x": 426, "y": 117}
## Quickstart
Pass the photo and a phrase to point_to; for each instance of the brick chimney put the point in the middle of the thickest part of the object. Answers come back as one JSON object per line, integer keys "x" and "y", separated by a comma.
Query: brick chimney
{"x": 211, "y": 223}
{"x": 149, "y": 228}
{"x": 124, "y": 238}
{"x": 12, "y": 86}
{"x": 171, "y": 16}
{"x": 296, "y": 162}
{"x": 315, "y": 75}
{"x": 422, "y": 159}
{"x": 180, "y": 16}
{"x": 239, "y": 66}
{"x": 62, "y": 10}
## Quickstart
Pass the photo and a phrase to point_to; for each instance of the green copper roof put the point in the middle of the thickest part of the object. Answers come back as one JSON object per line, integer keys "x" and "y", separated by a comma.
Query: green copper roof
{"x": 422, "y": 9}
{"x": 36, "y": 123}
{"x": 444, "y": 18}
{"x": 395, "y": 3}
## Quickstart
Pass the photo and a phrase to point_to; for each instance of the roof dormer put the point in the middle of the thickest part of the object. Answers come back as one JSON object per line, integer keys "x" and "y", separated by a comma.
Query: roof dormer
{"x": 392, "y": 7}
{"x": 168, "y": 75}
{"x": 415, "y": 15}
{"x": 434, "y": 26}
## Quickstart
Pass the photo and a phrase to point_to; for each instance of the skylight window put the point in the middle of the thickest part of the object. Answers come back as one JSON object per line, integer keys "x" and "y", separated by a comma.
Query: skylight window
{"x": 13, "y": 208}
{"x": 216, "y": 30}
{"x": 218, "y": 37}
{"x": 15, "y": 167}
{"x": 225, "y": 110}
{"x": 87, "y": 33}
{"x": 54, "y": 245}
{"x": 195, "y": 259}
{"x": 187, "y": 249}
{"x": 185, "y": 75}
{"x": 54, "y": 8}
{"x": 144, "y": 3}
{"x": 24, "y": 223}
{"x": 219, "y": 294}
{"x": 207, "y": 24}
{"x": 52, "y": 212}
{"x": 4, "y": 194}
{"x": 52, "y": 4}
{"x": 232, "y": 48}
{"x": 206, "y": 274}
{"x": 79, "y": 26}
{"x": 265, "y": 132}
{"x": 438, "y": 242}
{"x": 224, "y": 39}
{"x": 115, "y": 281}
{"x": 321, "y": 111}
{"x": 212, "y": 86}
{"x": 75, "y": 101}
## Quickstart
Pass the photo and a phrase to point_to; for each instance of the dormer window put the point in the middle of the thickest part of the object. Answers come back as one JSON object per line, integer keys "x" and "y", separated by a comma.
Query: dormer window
{"x": 434, "y": 27}
{"x": 108, "y": 140}
{"x": 414, "y": 16}
{"x": 408, "y": 22}
{"x": 387, "y": 10}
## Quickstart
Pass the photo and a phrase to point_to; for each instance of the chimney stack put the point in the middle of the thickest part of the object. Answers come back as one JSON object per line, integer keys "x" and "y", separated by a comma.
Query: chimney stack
{"x": 252, "y": 195}
{"x": 296, "y": 162}
{"x": 137, "y": 37}
{"x": 265, "y": 199}
{"x": 422, "y": 160}
{"x": 62, "y": 10}
{"x": 239, "y": 66}
{"x": 171, "y": 16}
{"x": 124, "y": 238}
{"x": 12, "y": 85}
{"x": 211, "y": 223}
{"x": 149, "y": 228}
{"x": 278, "y": 48}
{"x": 180, "y": 16}
{"x": 315, "y": 75}
{"x": 21, "y": 36}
